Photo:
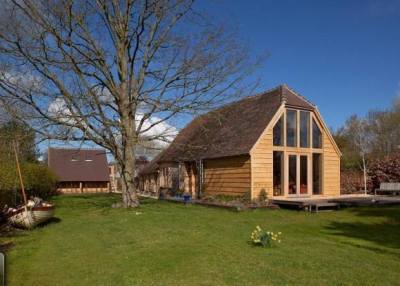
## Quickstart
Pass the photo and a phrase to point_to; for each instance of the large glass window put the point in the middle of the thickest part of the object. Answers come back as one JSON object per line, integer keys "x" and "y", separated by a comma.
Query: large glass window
{"x": 317, "y": 136}
{"x": 304, "y": 129}
{"x": 278, "y": 132}
{"x": 316, "y": 172}
{"x": 278, "y": 173}
{"x": 292, "y": 174}
{"x": 303, "y": 175}
{"x": 291, "y": 128}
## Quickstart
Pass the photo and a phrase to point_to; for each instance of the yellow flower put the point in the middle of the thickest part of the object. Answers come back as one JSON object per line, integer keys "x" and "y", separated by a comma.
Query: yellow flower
{"x": 279, "y": 233}
{"x": 279, "y": 241}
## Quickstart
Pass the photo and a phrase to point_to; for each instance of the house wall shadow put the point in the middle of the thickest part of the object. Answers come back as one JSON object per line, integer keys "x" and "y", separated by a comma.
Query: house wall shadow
{"x": 383, "y": 228}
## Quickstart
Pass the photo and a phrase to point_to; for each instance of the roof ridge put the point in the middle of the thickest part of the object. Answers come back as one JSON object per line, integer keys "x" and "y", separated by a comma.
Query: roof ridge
{"x": 283, "y": 95}
{"x": 77, "y": 149}
{"x": 298, "y": 95}
{"x": 248, "y": 97}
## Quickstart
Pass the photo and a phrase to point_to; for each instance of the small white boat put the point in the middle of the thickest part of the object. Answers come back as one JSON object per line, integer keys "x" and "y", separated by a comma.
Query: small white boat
{"x": 32, "y": 212}
{"x": 29, "y": 217}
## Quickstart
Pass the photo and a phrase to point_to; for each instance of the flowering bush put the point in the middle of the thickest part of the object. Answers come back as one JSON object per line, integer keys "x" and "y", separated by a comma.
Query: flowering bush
{"x": 264, "y": 238}
{"x": 386, "y": 169}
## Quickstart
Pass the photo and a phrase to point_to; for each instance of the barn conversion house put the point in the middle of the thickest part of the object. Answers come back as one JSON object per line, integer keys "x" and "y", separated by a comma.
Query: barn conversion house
{"x": 275, "y": 142}
{"x": 79, "y": 170}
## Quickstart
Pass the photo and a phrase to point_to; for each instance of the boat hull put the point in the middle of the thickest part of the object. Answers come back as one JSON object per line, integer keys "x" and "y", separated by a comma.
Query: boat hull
{"x": 31, "y": 217}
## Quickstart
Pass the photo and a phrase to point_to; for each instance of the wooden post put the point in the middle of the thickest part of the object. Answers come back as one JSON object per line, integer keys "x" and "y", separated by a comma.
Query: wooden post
{"x": 80, "y": 187}
{"x": 19, "y": 173}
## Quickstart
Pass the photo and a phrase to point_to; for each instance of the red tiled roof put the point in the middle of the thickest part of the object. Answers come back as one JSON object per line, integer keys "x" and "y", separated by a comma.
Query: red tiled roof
{"x": 79, "y": 165}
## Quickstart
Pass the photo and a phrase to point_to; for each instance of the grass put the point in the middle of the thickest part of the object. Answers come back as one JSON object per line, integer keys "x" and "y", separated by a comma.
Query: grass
{"x": 173, "y": 244}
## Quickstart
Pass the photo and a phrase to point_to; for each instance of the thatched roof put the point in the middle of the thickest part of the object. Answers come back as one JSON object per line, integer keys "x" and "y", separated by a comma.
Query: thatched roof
{"x": 230, "y": 130}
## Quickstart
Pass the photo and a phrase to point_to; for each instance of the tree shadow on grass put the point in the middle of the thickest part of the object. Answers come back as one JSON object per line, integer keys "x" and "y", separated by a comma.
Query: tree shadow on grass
{"x": 87, "y": 201}
{"x": 150, "y": 202}
{"x": 9, "y": 232}
{"x": 51, "y": 221}
{"x": 383, "y": 228}
{"x": 6, "y": 246}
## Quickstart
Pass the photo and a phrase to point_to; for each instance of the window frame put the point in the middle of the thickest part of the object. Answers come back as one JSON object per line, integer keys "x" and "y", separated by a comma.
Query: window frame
{"x": 300, "y": 151}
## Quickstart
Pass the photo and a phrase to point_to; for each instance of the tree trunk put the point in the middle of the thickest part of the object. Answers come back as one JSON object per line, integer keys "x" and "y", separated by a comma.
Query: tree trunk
{"x": 129, "y": 192}
{"x": 129, "y": 141}
{"x": 365, "y": 174}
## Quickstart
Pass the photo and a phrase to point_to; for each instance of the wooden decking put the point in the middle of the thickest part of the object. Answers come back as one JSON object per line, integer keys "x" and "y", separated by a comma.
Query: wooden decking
{"x": 329, "y": 203}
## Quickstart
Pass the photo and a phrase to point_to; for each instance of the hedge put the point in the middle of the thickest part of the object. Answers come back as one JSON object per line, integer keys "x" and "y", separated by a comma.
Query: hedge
{"x": 38, "y": 179}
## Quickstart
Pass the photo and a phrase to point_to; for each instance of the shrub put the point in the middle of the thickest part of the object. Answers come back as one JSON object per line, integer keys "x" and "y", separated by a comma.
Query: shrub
{"x": 208, "y": 198}
{"x": 386, "y": 170}
{"x": 352, "y": 181}
{"x": 263, "y": 195}
{"x": 38, "y": 179}
{"x": 264, "y": 238}
{"x": 247, "y": 197}
{"x": 179, "y": 192}
{"x": 226, "y": 198}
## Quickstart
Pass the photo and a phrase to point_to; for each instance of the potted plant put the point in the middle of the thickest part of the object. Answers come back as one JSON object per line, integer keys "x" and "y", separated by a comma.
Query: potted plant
{"x": 186, "y": 197}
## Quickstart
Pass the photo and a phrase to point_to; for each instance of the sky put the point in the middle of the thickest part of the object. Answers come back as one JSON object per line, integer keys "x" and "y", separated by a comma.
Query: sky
{"x": 344, "y": 56}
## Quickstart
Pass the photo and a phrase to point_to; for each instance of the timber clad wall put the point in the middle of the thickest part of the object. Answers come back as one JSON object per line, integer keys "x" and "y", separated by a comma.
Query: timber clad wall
{"x": 261, "y": 165}
{"x": 149, "y": 184}
{"x": 331, "y": 163}
{"x": 227, "y": 176}
{"x": 85, "y": 187}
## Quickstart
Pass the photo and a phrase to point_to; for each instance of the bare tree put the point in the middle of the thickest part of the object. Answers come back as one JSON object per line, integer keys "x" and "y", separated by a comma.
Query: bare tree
{"x": 112, "y": 71}
{"x": 358, "y": 130}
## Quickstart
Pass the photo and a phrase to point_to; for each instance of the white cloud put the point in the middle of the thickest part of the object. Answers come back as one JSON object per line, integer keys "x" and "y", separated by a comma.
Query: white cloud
{"x": 22, "y": 81}
{"x": 162, "y": 132}
{"x": 58, "y": 109}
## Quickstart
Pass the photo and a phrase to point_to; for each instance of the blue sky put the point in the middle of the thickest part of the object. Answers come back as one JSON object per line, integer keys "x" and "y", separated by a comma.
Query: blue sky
{"x": 344, "y": 56}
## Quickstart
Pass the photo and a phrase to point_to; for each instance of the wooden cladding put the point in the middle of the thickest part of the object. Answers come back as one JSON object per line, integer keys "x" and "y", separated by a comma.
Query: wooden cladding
{"x": 83, "y": 187}
{"x": 317, "y": 171}
{"x": 311, "y": 166}
{"x": 229, "y": 176}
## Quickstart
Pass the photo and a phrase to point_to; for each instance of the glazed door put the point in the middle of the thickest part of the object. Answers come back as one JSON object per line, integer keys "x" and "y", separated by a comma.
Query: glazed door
{"x": 298, "y": 173}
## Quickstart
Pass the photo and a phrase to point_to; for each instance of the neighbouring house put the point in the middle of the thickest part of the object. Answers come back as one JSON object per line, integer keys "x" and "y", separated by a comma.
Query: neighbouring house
{"x": 274, "y": 142}
{"x": 115, "y": 177}
{"x": 80, "y": 170}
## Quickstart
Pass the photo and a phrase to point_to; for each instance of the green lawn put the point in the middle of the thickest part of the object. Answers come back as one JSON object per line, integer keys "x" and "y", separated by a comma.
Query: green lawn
{"x": 173, "y": 244}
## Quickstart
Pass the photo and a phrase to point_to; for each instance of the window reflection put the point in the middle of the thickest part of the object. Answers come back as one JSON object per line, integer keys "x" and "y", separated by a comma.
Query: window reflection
{"x": 317, "y": 136}
{"x": 291, "y": 130}
{"x": 278, "y": 132}
{"x": 304, "y": 129}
